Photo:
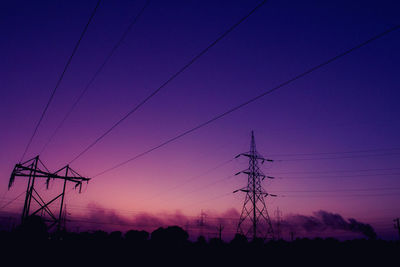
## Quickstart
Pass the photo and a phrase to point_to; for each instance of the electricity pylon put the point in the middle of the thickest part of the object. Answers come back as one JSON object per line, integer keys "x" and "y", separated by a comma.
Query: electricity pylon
{"x": 254, "y": 219}
{"x": 34, "y": 169}
{"x": 278, "y": 215}
{"x": 397, "y": 225}
{"x": 202, "y": 222}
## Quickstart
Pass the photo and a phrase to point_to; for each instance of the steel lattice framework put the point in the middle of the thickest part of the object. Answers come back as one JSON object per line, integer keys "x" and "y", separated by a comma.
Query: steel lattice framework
{"x": 254, "y": 220}
{"x": 34, "y": 169}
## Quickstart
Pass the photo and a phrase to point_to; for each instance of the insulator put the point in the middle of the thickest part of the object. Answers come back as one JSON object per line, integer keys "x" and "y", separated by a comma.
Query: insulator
{"x": 47, "y": 183}
{"x": 12, "y": 179}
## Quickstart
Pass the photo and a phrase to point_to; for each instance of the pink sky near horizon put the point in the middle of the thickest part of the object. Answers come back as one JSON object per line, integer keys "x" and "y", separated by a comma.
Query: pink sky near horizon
{"x": 350, "y": 105}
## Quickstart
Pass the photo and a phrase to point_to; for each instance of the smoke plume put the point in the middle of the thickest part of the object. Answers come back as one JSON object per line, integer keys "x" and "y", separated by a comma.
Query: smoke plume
{"x": 326, "y": 221}
{"x": 321, "y": 223}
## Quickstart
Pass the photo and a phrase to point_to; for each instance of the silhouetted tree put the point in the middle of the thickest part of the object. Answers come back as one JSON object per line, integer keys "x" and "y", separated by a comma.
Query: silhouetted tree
{"x": 215, "y": 242}
{"x": 136, "y": 236}
{"x": 99, "y": 236}
{"x": 115, "y": 236}
{"x": 239, "y": 240}
{"x": 171, "y": 235}
{"x": 33, "y": 228}
{"x": 201, "y": 241}
{"x": 258, "y": 242}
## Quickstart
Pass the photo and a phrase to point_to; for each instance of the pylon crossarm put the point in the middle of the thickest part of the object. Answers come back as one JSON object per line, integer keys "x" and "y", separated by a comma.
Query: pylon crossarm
{"x": 255, "y": 173}
{"x": 42, "y": 174}
{"x": 240, "y": 172}
{"x": 241, "y": 189}
{"x": 256, "y": 157}
{"x": 19, "y": 171}
{"x": 77, "y": 181}
{"x": 36, "y": 176}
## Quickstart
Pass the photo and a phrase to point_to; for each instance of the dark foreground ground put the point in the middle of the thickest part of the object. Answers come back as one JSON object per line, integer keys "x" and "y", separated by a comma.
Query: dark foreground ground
{"x": 170, "y": 247}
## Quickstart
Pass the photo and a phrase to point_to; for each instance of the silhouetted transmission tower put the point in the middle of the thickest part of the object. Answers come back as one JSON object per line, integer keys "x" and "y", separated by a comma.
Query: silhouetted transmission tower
{"x": 254, "y": 220}
{"x": 33, "y": 170}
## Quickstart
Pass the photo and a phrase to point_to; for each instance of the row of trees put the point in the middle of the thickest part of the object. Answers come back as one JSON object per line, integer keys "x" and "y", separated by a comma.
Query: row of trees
{"x": 171, "y": 245}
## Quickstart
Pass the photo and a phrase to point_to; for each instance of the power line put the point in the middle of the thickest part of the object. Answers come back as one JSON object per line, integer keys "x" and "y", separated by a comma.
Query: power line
{"x": 337, "y": 152}
{"x": 3, "y": 195}
{"x": 108, "y": 57}
{"x": 300, "y": 196}
{"x": 341, "y": 176}
{"x": 193, "y": 178}
{"x": 59, "y": 81}
{"x": 79, "y": 220}
{"x": 137, "y": 212}
{"x": 342, "y": 196}
{"x": 342, "y": 157}
{"x": 155, "y": 224}
{"x": 202, "y": 187}
{"x": 169, "y": 80}
{"x": 254, "y": 98}
{"x": 340, "y": 190}
{"x": 207, "y": 200}
{"x": 339, "y": 171}
{"x": 12, "y": 200}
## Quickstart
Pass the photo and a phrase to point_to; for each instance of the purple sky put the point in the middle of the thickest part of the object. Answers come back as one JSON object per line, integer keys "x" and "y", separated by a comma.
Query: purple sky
{"x": 350, "y": 105}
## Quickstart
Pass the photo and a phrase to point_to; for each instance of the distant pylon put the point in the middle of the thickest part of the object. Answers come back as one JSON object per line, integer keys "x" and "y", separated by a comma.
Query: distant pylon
{"x": 278, "y": 215}
{"x": 397, "y": 225}
{"x": 202, "y": 222}
{"x": 220, "y": 229}
{"x": 254, "y": 219}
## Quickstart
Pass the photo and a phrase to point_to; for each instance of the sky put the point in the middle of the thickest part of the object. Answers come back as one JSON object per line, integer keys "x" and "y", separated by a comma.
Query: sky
{"x": 333, "y": 134}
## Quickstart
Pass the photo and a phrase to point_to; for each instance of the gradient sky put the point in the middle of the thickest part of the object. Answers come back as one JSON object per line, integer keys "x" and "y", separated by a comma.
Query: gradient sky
{"x": 350, "y": 105}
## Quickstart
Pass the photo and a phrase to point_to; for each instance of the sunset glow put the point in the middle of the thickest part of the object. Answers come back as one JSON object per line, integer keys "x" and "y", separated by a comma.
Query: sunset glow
{"x": 333, "y": 134}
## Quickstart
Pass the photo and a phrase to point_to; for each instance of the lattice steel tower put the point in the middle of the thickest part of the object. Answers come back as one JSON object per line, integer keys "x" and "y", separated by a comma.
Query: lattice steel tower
{"x": 254, "y": 220}
{"x": 34, "y": 169}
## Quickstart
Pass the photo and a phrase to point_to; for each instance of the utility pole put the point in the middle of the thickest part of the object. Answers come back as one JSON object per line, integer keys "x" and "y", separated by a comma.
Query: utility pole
{"x": 187, "y": 227}
{"x": 254, "y": 219}
{"x": 278, "y": 215}
{"x": 63, "y": 223}
{"x": 35, "y": 169}
{"x": 397, "y": 225}
{"x": 220, "y": 228}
